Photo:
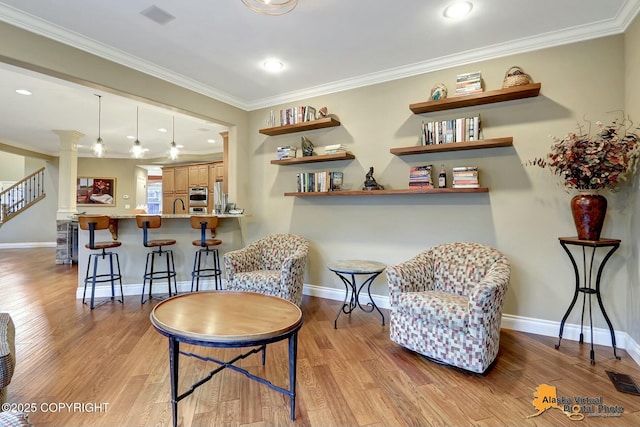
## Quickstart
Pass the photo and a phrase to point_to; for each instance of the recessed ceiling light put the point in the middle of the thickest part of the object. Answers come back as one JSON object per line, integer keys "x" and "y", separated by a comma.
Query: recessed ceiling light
{"x": 211, "y": 141}
{"x": 458, "y": 10}
{"x": 131, "y": 137}
{"x": 162, "y": 130}
{"x": 272, "y": 65}
{"x": 23, "y": 92}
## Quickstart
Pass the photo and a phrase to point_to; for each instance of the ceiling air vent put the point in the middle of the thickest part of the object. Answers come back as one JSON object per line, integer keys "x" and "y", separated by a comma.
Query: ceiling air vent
{"x": 158, "y": 15}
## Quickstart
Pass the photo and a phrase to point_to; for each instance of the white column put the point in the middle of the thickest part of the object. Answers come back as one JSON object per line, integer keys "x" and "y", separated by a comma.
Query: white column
{"x": 68, "y": 174}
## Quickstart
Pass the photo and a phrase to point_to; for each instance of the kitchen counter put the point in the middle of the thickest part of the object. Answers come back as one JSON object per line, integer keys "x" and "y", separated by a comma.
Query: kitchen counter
{"x": 133, "y": 254}
{"x": 129, "y": 216}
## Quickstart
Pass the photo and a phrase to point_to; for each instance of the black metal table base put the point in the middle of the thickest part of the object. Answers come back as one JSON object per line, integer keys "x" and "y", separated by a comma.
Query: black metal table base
{"x": 259, "y": 347}
{"x": 587, "y": 289}
{"x": 354, "y": 301}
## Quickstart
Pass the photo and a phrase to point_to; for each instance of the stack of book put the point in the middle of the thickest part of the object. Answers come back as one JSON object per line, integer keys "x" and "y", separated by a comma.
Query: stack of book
{"x": 468, "y": 83}
{"x": 294, "y": 115}
{"x": 319, "y": 181}
{"x": 456, "y": 130}
{"x": 286, "y": 152}
{"x": 335, "y": 149}
{"x": 465, "y": 177}
{"x": 420, "y": 177}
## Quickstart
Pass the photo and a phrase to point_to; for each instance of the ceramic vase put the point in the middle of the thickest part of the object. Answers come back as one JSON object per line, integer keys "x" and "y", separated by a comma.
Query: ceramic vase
{"x": 589, "y": 210}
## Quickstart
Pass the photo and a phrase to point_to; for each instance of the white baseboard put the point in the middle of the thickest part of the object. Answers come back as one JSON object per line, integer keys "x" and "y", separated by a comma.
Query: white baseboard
{"x": 25, "y": 245}
{"x": 601, "y": 336}
{"x": 135, "y": 289}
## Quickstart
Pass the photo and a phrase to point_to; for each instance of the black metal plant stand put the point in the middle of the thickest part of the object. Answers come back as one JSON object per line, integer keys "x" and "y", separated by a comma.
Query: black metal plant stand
{"x": 587, "y": 286}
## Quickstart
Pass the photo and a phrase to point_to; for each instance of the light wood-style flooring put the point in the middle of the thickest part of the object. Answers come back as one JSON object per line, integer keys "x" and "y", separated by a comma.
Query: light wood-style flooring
{"x": 352, "y": 376}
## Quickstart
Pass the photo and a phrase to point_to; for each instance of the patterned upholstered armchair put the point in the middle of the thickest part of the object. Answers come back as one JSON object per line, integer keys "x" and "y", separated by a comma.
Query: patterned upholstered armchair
{"x": 273, "y": 265}
{"x": 7, "y": 366}
{"x": 446, "y": 304}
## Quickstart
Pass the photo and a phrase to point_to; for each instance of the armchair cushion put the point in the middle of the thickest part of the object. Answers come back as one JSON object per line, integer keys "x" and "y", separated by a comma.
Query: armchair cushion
{"x": 273, "y": 265}
{"x": 446, "y": 303}
{"x": 7, "y": 353}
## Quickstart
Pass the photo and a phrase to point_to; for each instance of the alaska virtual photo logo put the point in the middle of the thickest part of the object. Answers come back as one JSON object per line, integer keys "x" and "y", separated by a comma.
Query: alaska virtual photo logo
{"x": 546, "y": 397}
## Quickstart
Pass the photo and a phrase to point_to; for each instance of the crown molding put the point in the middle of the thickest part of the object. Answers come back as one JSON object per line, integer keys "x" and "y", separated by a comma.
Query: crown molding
{"x": 46, "y": 29}
{"x": 604, "y": 28}
{"x": 529, "y": 44}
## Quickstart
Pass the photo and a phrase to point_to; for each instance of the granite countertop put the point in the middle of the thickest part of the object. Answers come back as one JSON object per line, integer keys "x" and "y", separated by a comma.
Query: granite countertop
{"x": 74, "y": 218}
{"x": 131, "y": 216}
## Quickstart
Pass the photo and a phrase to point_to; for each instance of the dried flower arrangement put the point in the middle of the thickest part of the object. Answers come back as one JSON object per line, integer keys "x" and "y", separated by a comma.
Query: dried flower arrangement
{"x": 597, "y": 162}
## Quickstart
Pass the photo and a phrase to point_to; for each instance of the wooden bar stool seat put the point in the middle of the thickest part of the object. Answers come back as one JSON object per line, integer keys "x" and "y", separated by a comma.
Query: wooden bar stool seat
{"x": 151, "y": 272}
{"x": 93, "y": 276}
{"x": 207, "y": 247}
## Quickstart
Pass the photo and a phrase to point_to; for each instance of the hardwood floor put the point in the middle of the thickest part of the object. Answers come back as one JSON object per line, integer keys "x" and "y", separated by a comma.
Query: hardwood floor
{"x": 113, "y": 359}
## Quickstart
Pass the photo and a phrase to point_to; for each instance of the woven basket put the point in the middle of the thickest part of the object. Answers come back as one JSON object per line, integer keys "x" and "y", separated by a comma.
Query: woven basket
{"x": 515, "y": 76}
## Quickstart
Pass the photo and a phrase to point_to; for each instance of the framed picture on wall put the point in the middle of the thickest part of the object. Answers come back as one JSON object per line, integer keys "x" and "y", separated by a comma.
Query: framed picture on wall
{"x": 96, "y": 191}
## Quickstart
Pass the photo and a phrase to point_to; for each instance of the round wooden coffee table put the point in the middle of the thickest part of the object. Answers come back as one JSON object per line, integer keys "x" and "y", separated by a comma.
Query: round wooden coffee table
{"x": 227, "y": 319}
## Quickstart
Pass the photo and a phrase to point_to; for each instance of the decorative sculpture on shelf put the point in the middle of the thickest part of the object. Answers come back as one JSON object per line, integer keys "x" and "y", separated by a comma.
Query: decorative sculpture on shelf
{"x": 307, "y": 147}
{"x": 323, "y": 112}
{"x": 370, "y": 182}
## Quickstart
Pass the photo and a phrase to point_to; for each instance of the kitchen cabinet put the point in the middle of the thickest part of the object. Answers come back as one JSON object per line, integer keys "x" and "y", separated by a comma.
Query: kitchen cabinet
{"x": 175, "y": 185}
{"x": 219, "y": 171}
{"x": 198, "y": 175}
{"x": 181, "y": 180}
{"x": 168, "y": 200}
{"x": 168, "y": 180}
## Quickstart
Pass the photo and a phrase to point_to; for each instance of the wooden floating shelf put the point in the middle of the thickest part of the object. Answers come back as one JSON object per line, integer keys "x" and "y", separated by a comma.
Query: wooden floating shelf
{"x": 314, "y": 159}
{"x": 327, "y": 122}
{"x": 389, "y": 192}
{"x": 453, "y": 146}
{"x": 508, "y": 94}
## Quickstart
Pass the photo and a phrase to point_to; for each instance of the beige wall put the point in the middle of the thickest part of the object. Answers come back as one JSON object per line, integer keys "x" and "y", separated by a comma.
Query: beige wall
{"x": 12, "y": 167}
{"x": 632, "y": 106}
{"x": 40, "y": 54}
{"x": 124, "y": 170}
{"x": 523, "y": 214}
{"x": 37, "y": 225}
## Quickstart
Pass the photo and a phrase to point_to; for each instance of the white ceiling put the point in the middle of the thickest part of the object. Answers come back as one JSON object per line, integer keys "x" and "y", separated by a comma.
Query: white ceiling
{"x": 217, "y": 47}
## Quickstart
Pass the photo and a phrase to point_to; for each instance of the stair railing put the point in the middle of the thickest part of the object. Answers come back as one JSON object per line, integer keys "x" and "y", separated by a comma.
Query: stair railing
{"x": 21, "y": 195}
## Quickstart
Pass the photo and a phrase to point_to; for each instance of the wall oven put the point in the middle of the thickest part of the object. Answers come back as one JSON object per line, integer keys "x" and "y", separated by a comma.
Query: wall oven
{"x": 198, "y": 197}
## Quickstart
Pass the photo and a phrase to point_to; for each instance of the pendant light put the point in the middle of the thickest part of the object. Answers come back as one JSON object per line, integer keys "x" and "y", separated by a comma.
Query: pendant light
{"x": 137, "y": 151}
{"x": 98, "y": 148}
{"x": 174, "y": 152}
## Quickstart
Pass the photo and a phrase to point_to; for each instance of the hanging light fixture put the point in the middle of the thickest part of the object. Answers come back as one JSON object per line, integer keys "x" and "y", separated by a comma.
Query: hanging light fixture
{"x": 174, "y": 152}
{"x": 137, "y": 151}
{"x": 271, "y": 7}
{"x": 98, "y": 148}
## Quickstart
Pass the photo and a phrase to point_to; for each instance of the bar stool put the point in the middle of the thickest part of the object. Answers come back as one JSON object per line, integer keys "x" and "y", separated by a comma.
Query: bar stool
{"x": 93, "y": 223}
{"x": 150, "y": 273}
{"x": 202, "y": 223}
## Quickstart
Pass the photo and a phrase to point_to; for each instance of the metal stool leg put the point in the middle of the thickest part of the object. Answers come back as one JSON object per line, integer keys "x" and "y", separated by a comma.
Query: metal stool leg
{"x": 119, "y": 278}
{"x": 218, "y": 271}
{"x": 195, "y": 277}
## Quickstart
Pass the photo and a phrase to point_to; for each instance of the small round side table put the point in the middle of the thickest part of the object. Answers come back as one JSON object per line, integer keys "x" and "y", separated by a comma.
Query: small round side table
{"x": 347, "y": 271}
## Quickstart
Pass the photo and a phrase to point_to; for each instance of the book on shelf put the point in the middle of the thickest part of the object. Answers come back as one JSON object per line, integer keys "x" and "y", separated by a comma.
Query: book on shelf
{"x": 335, "y": 149}
{"x": 456, "y": 130}
{"x": 420, "y": 177}
{"x": 313, "y": 182}
{"x": 335, "y": 181}
{"x": 295, "y": 115}
{"x": 465, "y": 177}
{"x": 468, "y": 83}
{"x": 286, "y": 152}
